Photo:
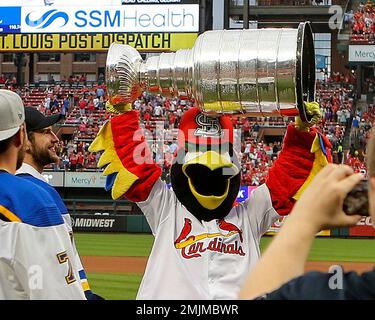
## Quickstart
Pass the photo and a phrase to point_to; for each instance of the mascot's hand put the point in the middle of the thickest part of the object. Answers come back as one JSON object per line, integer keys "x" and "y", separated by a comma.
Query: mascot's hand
{"x": 117, "y": 105}
{"x": 313, "y": 110}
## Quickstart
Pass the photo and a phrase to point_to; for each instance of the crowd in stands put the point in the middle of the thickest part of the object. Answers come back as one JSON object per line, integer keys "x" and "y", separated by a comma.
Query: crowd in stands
{"x": 363, "y": 23}
{"x": 361, "y": 129}
{"x": 84, "y": 112}
{"x": 336, "y": 103}
{"x": 8, "y": 81}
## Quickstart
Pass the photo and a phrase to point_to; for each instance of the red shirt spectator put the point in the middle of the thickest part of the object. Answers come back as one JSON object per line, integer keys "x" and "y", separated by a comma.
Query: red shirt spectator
{"x": 91, "y": 106}
{"x": 82, "y": 104}
{"x": 82, "y": 127}
{"x": 147, "y": 116}
{"x": 80, "y": 159}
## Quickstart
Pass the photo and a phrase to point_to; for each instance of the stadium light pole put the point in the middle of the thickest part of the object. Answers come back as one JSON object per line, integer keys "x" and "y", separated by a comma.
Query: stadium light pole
{"x": 246, "y": 14}
{"x": 19, "y": 62}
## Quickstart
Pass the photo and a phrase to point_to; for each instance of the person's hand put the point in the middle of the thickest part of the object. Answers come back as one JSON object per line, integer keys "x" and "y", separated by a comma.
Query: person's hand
{"x": 321, "y": 204}
{"x": 313, "y": 110}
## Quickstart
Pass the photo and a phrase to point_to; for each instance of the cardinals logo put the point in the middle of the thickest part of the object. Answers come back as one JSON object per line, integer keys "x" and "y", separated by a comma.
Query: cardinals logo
{"x": 192, "y": 246}
{"x": 207, "y": 126}
{"x": 224, "y": 225}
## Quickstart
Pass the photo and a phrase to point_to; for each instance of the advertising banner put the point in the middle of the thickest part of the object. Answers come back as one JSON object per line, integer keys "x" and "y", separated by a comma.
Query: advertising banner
{"x": 55, "y": 179}
{"x": 243, "y": 194}
{"x": 84, "y": 180}
{"x": 95, "y": 19}
{"x": 363, "y": 228}
{"x": 10, "y": 19}
{"x": 51, "y": 3}
{"x": 361, "y": 53}
{"x": 275, "y": 228}
{"x": 320, "y": 61}
{"x": 95, "y": 223}
{"x": 96, "y": 41}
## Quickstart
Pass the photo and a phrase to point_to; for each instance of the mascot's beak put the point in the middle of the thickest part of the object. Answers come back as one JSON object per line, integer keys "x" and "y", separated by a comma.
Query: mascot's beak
{"x": 209, "y": 175}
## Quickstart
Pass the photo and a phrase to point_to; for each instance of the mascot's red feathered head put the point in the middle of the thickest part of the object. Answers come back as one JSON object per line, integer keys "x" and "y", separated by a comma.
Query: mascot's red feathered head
{"x": 205, "y": 173}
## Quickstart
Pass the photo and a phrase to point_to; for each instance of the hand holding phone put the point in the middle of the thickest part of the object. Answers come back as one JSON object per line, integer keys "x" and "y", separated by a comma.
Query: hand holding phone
{"x": 356, "y": 202}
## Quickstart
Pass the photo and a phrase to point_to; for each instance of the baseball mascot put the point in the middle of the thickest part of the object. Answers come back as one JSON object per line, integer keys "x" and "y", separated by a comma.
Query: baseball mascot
{"x": 204, "y": 245}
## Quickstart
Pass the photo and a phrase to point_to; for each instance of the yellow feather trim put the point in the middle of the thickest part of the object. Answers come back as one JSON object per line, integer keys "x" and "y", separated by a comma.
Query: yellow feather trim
{"x": 124, "y": 179}
{"x": 319, "y": 163}
{"x": 107, "y": 157}
{"x": 103, "y": 139}
{"x": 123, "y": 182}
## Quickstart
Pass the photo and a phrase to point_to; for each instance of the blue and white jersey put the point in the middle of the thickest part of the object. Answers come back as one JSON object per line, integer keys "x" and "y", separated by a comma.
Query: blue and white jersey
{"x": 36, "y": 251}
{"x": 29, "y": 173}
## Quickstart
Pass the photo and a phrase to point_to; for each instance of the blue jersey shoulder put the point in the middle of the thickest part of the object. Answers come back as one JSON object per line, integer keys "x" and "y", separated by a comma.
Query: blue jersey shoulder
{"x": 48, "y": 188}
{"x": 28, "y": 201}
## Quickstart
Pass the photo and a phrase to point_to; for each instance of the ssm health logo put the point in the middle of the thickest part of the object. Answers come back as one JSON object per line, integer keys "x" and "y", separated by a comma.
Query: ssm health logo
{"x": 41, "y": 22}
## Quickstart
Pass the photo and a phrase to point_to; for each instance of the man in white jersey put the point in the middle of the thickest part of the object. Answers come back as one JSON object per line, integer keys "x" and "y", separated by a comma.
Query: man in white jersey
{"x": 204, "y": 245}
{"x": 35, "y": 262}
{"x": 41, "y": 151}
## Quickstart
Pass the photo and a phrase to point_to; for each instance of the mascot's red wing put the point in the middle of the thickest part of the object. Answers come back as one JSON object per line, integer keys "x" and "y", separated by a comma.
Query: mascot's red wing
{"x": 126, "y": 153}
{"x": 293, "y": 167}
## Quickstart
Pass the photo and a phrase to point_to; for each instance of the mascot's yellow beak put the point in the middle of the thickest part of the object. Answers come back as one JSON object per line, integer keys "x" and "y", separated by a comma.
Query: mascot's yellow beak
{"x": 213, "y": 161}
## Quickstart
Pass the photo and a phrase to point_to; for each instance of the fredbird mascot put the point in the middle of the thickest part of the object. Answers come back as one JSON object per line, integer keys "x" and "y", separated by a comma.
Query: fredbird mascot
{"x": 204, "y": 245}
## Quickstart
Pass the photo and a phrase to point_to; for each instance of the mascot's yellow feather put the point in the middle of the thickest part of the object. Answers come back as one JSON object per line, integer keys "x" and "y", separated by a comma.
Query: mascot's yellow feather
{"x": 124, "y": 179}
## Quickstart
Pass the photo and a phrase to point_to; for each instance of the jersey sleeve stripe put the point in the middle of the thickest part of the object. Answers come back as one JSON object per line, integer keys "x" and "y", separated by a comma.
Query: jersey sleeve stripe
{"x": 9, "y": 215}
{"x": 85, "y": 285}
{"x": 82, "y": 274}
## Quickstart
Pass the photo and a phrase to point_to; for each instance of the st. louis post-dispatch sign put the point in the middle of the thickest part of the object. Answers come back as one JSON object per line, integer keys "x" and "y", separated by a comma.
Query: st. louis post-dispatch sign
{"x": 95, "y": 41}
{"x": 362, "y": 53}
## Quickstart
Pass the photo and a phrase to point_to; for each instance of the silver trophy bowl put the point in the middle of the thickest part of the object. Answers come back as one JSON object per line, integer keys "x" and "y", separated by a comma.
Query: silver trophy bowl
{"x": 257, "y": 72}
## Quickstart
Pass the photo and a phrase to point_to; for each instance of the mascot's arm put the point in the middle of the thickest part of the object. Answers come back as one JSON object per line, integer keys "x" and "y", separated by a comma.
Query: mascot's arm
{"x": 130, "y": 169}
{"x": 305, "y": 152}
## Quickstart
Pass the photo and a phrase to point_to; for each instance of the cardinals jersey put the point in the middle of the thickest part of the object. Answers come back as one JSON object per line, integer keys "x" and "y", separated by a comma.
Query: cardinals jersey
{"x": 193, "y": 260}
{"x": 35, "y": 251}
{"x": 29, "y": 173}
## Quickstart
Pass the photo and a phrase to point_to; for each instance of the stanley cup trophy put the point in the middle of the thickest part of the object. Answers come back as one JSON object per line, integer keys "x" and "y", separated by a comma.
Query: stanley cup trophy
{"x": 259, "y": 72}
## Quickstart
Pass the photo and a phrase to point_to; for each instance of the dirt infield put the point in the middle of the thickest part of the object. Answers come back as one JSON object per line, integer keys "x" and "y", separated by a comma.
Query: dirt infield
{"x": 138, "y": 265}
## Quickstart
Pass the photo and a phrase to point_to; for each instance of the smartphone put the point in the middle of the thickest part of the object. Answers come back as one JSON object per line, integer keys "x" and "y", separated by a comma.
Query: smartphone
{"x": 356, "y": 201}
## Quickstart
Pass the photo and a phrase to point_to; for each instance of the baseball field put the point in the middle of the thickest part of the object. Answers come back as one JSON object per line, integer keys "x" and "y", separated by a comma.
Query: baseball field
{"x": 115, "y": 262}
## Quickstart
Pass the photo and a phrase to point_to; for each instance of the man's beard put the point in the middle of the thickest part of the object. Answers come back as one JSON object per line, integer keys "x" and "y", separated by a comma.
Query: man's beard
{"x": 43, "y": 157}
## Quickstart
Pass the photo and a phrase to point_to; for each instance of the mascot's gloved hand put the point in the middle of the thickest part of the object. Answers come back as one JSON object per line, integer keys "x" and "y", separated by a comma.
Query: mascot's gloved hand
{"x": 313, "y": 110}
{"x": 116, "y": 106}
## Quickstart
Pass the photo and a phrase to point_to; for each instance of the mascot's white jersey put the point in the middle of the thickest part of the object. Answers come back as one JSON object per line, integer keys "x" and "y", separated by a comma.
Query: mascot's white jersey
{"x": 35, "y": 263}
{"x": 202, "y": 260}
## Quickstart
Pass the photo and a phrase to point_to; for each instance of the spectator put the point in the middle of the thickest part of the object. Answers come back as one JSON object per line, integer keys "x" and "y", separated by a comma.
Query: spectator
{"x": 82, "y": 106}
{"x": 28, "y": 217}
{"x": 290, "y": 248}
{"x": 73, "y": 159}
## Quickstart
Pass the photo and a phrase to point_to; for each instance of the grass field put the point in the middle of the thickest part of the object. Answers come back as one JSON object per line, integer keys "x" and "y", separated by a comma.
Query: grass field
{"x": 125, "y": 286}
